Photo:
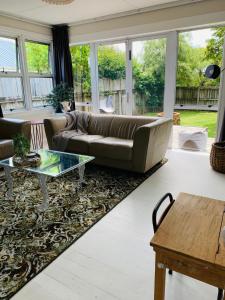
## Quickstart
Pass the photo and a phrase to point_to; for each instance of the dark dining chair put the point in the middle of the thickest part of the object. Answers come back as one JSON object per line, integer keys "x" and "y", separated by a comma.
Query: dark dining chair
{"x": 156, "y": 223}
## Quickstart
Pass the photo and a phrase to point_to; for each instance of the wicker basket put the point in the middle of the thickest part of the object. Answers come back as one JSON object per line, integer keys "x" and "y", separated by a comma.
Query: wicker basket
{"x": 217, "y": 157}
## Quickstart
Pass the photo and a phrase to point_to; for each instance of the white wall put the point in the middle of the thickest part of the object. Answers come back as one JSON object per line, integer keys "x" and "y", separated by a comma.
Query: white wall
{"x": 162, "y": 20}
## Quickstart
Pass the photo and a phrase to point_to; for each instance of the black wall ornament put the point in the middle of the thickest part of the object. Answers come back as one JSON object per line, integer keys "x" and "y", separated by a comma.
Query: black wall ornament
{"x": 213, "y": 71}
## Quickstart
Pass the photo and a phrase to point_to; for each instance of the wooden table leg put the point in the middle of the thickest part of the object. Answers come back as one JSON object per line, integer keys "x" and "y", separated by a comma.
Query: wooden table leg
{"x": 160, "y": 279}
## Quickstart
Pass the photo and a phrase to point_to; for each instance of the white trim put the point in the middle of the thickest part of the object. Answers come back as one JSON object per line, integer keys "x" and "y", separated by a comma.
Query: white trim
{"x": 24, "y": 72}
{"x": 40, "y": 75}
{"x": 10, "y": 74}
{"x": 221, "y": 104}
{"x": 170, "y": 74}
{"x": 129, "y": 78}
{"x": 94, "y": 77}
{"x": 135, "y": 11}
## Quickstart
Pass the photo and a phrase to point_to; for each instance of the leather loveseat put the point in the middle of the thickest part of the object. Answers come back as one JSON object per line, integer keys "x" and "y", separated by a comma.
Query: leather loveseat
{"x": 127, "y": 142}
{"x": 8, "y": 129}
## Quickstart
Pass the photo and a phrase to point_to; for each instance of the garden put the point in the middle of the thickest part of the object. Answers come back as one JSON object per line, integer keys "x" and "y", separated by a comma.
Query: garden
{"x": 193, "y": 118}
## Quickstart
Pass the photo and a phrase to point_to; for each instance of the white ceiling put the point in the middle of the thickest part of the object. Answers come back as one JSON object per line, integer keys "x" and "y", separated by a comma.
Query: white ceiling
{"x": 79, "y": 10}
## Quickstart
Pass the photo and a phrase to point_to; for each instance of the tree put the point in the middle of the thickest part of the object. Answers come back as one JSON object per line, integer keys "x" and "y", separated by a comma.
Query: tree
{"x": 191, "y": 63}
{"x": 214, "y": 49}
{"x": 37, "y": 57}
{"x": 81, "y": 69}
{"x": 111, "y": 63}
{"x": 149, "y": 74}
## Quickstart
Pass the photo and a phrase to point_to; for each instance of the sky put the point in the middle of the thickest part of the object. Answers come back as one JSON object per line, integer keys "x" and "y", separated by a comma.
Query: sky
{"x": 199, "y": 37}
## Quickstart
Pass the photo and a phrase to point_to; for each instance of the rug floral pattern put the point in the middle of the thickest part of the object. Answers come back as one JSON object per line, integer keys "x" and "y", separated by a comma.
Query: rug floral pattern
{"x": 30, "y": 240}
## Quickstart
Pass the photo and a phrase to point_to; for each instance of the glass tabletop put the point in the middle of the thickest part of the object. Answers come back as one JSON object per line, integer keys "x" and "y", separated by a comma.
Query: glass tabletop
{"x": 53, "y": 163}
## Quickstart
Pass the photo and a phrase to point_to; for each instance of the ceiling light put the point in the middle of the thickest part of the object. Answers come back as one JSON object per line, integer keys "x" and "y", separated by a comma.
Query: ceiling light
{"x": 58, "y": 2}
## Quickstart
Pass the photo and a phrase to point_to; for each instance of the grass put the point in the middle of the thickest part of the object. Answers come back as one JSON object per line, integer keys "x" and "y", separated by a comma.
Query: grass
{"x": 198, "y": 119}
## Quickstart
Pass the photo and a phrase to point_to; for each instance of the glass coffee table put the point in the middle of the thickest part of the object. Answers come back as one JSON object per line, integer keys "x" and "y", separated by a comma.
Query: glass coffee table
{"x": 53, "y": 164}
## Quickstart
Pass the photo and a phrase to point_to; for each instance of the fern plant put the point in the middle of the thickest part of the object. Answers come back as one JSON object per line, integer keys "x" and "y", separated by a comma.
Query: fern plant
{"x": 21, "y": 145}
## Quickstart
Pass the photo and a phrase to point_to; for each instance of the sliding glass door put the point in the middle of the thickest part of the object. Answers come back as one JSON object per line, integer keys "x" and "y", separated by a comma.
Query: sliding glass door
{"x": 148, "y": 72}
{"x": 197, "y": 97}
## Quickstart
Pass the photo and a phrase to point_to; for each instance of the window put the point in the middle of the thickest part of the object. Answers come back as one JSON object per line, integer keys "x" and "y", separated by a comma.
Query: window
{"x": 11, "y": 90}
{"x": 39, "y": 71}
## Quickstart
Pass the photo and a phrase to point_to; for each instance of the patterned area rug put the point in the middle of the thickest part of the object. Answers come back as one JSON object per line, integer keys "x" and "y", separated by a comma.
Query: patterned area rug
{"x": 31, "y": 240}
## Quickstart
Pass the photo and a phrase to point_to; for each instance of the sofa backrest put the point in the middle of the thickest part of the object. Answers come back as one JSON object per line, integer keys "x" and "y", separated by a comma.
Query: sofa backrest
{"x": 99, "y": 124}
{"x": 124, "y": 127}
{"x": 117, "y": 126}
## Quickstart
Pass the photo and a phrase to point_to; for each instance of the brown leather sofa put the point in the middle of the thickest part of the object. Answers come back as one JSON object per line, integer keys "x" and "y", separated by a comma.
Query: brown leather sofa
{"x": 126, "y": 142}
{"x": 8, "y": 129}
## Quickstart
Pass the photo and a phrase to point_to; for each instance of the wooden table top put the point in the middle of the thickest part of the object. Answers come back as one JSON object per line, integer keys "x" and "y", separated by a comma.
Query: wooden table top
{"x": 192, "y": 228}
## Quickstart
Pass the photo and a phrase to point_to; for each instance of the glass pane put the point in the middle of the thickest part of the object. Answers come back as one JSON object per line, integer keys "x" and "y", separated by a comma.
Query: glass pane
{"x": 54, "y": 163}
{"x": 40, "y": 88}
{"x": 38, "y": 57}
{"x": 82, "y": 76}
{"x": 196, "y": 106}
{"x": 112, "y": 78}
{"x": 8, "y": 55}
{"x": 11, "y": 94}
{"x": 148, "y": 59}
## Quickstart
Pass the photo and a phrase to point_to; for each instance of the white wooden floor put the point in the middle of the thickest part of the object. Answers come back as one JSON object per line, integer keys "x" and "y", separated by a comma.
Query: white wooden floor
{"x": 113, "y": 260}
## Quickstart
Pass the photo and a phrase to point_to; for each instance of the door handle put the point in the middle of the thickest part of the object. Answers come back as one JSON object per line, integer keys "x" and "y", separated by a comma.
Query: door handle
{"x": 128, "y": 97}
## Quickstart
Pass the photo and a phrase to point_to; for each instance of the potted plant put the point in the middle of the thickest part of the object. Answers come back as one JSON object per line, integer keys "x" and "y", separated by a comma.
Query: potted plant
{"x": 60, "y": 93}
{"x": 21, "y": 145}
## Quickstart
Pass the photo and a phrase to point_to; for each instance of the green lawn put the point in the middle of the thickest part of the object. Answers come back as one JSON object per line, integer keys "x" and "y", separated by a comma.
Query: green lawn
{"x": 198, "y": 118}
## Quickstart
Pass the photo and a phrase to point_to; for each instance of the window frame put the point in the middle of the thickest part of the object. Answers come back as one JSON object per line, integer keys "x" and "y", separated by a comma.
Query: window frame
{"x": 38, "y": 75}
{"x": 13, "y": 74}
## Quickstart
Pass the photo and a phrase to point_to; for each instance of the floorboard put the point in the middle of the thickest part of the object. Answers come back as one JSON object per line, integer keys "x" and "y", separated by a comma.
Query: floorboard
{"x": 113, "y": 260}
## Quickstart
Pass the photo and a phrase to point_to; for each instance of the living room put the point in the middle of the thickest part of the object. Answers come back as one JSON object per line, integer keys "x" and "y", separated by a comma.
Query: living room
{"x": 112, "y": 114}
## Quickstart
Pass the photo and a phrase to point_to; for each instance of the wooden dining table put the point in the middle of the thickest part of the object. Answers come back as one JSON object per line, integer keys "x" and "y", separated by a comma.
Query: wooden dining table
{"x": 189, "y": 241}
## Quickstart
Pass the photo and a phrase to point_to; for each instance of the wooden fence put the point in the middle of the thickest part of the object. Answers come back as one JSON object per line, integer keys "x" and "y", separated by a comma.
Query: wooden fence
{"x": 197, "y": 96}
{"x": 190, "y": 96}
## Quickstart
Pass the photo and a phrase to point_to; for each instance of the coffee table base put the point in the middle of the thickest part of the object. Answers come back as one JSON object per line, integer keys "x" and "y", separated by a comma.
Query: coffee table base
{"x": 43, "y": 185}
{"x": 9, "y": 193}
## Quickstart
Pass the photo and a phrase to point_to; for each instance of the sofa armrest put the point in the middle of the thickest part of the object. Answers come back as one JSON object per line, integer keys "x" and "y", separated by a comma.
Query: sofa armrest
{"x": 150, "y": 144}
{"x": 10, "y": 127}
{"x": 52, "y": 127}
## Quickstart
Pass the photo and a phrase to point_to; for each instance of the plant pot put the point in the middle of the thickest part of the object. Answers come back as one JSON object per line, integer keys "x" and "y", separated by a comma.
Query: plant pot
{"x": 59, "y": 109}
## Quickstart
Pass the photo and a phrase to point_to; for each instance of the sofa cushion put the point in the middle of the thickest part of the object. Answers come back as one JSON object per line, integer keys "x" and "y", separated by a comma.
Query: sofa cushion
{"x": 80, "y": 143}
{"x": 6, "y": 148}
{"x": 99, "y": 124}
{"x": 124, "y": 127}
{"x": 111, "y": 147}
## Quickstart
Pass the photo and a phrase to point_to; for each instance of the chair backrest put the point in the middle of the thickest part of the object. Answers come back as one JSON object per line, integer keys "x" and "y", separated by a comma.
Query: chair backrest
{"x": 156, "y": 224}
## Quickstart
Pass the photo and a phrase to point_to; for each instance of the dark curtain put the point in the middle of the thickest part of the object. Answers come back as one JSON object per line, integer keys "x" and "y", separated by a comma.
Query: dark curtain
{"x": 62, "y": 58}
{"x": 222, "y": 133}
{"x": 1, "y": 112}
